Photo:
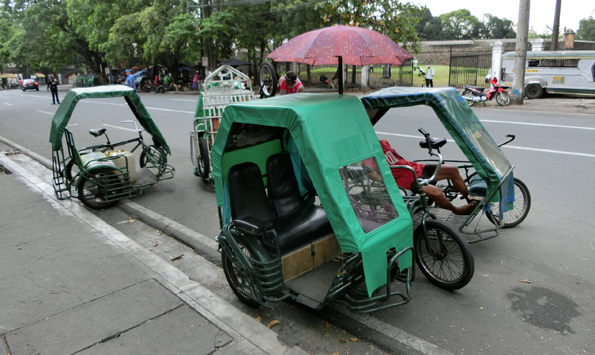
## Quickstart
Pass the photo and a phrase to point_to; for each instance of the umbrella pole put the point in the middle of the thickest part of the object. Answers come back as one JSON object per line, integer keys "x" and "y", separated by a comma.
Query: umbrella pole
{"x": 340, "y": 75}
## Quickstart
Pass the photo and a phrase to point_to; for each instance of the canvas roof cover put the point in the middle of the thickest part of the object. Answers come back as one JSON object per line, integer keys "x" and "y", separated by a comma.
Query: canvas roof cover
{"x": 458, "y": 119}
{"x": 64, "y": 112}
{"x": 330, "y": 132}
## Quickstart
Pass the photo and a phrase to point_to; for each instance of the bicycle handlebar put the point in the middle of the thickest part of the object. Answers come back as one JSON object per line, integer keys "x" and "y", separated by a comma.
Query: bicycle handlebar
{"x": 135, "y": 126}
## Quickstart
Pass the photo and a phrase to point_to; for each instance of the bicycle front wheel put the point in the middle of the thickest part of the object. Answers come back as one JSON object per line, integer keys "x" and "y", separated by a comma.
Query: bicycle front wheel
{"x": 522, "y": 204}
{"x": 450, "y": 265}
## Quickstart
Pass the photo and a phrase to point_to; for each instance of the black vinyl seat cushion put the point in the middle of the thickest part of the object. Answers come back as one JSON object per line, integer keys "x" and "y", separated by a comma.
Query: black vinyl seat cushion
{"x": 248, "y": 198}
{"x": 299, "y": 223}
{"x": 301, "y": 228}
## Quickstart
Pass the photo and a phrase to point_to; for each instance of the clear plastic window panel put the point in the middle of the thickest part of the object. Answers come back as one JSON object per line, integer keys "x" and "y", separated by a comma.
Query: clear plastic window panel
{"x": 368, "y": 195}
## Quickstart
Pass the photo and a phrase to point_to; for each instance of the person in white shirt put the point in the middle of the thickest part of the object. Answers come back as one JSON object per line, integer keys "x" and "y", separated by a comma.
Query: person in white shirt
{"x": 430, "y": 77}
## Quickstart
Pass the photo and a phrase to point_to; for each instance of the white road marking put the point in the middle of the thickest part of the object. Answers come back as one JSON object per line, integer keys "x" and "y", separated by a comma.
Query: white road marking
{"x": 7, "y": 104}
{"x": 168, "y": 110}
{"x": 49, "y": 113}
{"x": 506, "y": 146}
{"x": 118, "y": 127}
{"x": 550, "y": 112}
{"x": 540, "y": 124}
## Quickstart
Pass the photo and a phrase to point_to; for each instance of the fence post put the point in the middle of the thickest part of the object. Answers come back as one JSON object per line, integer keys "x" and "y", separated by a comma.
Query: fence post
{"x": 536, "y": 44}
{"x": 496, "y": 69}
{"x": 364, "y": 78}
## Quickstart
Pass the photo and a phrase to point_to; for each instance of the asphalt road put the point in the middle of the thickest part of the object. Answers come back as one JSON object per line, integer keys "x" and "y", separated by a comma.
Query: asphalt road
{"x": 499, "y": 311}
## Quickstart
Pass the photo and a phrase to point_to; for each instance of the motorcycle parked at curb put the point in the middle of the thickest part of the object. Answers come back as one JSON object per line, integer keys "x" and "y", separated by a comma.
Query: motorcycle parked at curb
{"x": 473, "y": 94}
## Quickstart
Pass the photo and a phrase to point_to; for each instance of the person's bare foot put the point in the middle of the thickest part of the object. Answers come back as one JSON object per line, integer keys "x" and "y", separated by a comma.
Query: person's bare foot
{"x": 467, "y": 209}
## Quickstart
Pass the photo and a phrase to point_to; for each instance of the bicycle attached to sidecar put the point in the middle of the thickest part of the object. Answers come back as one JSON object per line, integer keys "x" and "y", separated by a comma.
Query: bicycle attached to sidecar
{"x": 505, "y": 200}
{"x": 102, "y": 174}
{"x": 301, "y": 218}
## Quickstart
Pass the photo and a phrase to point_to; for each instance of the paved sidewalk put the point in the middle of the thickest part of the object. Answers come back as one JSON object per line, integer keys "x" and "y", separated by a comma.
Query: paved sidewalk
{"x": 71, "y": 284}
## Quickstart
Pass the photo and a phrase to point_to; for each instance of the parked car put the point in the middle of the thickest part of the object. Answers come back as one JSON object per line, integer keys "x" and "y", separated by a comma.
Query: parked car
{"x": 30, "y": 84}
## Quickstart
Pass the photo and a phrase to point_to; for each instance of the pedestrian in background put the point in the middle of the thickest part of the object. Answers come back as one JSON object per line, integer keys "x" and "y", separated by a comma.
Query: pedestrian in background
{"x": 130, "y": 80}
{"x": 53, "y": 87}
{"x": 195, "y": 81}
{"x": 430, "y": 77}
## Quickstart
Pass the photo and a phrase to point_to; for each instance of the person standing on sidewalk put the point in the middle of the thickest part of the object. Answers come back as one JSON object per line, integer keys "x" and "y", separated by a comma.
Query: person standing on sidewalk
{"x": 53, "y": 86}
{"x": 430, "y": 77}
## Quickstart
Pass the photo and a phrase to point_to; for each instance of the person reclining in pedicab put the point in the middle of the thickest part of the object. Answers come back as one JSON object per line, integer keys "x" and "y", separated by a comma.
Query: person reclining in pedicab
{"x": 404, "y": 178}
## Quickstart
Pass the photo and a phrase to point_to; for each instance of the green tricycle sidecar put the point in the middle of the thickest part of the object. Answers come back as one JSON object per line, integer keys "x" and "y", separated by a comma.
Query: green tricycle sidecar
{"x": 103, "y": 174}
{"x": 301, "y": 219}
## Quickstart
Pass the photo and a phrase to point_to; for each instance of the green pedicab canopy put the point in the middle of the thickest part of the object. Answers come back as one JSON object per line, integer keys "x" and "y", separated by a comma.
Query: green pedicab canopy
{"x": 330, "y": 132}
{"x": 459, "y": 120}
{"x": 64, "y": 112}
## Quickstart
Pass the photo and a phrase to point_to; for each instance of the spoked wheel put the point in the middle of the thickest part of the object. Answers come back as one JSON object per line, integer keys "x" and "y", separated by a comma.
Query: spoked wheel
{"x": 268, "y": 80}
{"x": 153, "y": 158}
{"x": 204, "y": 164}
{"x": 234, "y": 278}
{"x": 71, "y": 170}
{"x": 522, "y": 204}
{"x": 468, "y": 94}
{"x": 93, "y": 195}
{"x": 502, "y": 98}
{"x": 452, "y": 265}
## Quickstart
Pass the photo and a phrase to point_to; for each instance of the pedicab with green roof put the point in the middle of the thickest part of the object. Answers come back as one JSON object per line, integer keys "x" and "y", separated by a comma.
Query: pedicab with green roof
{"x": 102, "y": 174}
{"x": 300, "y": 217}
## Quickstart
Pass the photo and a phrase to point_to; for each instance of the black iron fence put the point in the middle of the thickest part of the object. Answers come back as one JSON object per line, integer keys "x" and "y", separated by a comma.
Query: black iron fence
{"x": 380, "y": 75}
{"x": 469, "y": 69}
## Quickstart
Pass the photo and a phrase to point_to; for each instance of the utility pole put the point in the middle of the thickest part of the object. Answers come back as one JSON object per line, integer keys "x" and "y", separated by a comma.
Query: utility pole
{"x": 518, "y": 83}
{"x": 554, "y": 44}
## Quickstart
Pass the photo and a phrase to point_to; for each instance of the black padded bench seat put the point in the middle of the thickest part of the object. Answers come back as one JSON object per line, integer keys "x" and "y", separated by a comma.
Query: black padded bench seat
{"x": 295, "y": 222}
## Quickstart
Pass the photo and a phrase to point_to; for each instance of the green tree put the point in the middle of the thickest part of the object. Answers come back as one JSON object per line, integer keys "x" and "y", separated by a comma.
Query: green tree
{"x": 394, "y": 19}
{"x": 586, "y": 29}
{"x": 460, "y": 24}
{"x": 429, "y": 28}
{"x": 494, "y": 27}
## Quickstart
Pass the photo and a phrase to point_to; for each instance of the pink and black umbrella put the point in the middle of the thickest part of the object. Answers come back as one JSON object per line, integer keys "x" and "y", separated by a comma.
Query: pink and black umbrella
{"x": 341, "y": 45}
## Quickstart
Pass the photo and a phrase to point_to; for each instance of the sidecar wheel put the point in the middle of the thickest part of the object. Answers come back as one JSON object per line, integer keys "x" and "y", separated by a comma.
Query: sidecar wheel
{"x": 452, "y": 265}
{"x": 93, "y": 195}
{"x": 235, "y": 281}
{"x": 204, "y": 165}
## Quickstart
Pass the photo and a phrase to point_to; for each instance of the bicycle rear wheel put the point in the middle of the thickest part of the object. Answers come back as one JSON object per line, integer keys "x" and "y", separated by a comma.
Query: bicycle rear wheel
{"x": 451, "y": 265}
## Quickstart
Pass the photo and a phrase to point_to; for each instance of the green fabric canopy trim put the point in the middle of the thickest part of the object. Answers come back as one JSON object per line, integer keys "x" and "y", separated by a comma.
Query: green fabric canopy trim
{"x": 330, "y": 132}
{"x": 64, "y": 112}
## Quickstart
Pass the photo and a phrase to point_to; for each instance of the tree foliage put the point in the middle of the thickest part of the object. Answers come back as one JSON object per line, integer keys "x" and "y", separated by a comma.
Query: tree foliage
{"x": 460, "y": 24}
{"x": 586, "y": 29}
{"x": 123, "y": 33}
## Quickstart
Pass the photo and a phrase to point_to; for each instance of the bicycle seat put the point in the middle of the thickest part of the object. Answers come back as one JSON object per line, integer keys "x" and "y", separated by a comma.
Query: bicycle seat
{"x": 97, "y": 132}
{"x": 434, "y": 142}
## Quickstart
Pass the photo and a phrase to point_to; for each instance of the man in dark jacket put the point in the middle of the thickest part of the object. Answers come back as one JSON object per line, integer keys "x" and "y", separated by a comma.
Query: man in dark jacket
{"x": 53, "y": 86}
